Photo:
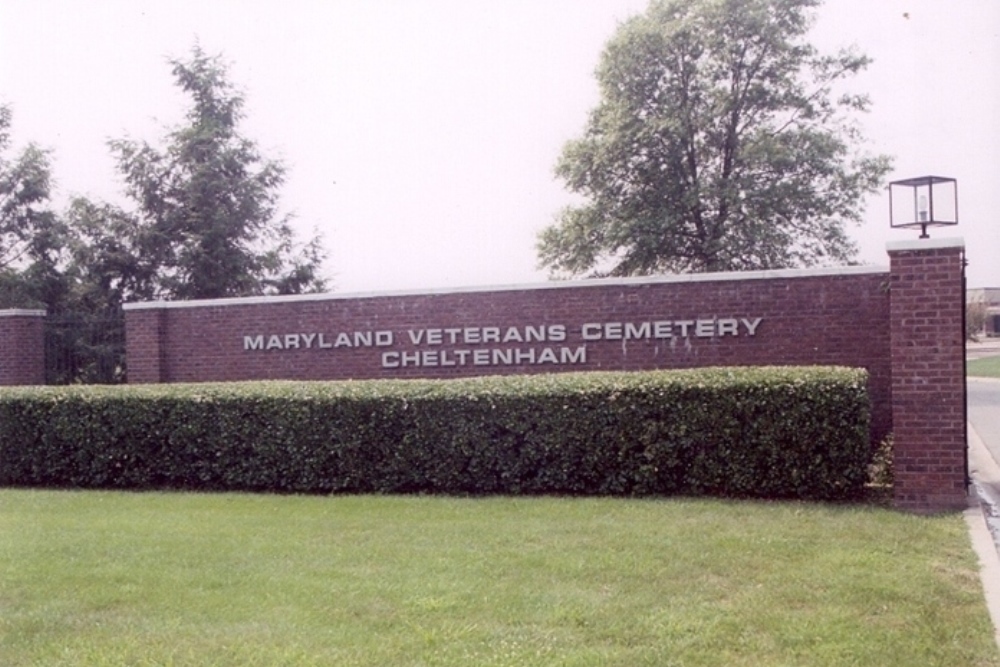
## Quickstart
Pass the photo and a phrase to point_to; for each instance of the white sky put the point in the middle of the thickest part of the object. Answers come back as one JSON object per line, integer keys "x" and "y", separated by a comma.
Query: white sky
{"x": 420, "y": 135}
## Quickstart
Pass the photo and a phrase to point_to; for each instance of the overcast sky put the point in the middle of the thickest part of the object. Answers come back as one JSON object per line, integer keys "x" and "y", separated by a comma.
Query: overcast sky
{"x": 420, "y": 135}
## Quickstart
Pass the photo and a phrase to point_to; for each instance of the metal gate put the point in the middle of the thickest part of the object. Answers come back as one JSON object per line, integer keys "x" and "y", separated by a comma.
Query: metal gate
{"x": 85, "y": 348}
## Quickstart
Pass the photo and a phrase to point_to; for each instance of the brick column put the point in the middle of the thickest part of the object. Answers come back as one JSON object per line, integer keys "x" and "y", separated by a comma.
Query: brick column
{"x": 22, "y": 347}
{"x": 928, "y": 380}
{"x": 144, "y": 344}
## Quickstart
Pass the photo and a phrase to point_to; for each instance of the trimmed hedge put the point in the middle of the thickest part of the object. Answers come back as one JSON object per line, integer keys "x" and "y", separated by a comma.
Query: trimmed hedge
{"x": 765, "y": 432}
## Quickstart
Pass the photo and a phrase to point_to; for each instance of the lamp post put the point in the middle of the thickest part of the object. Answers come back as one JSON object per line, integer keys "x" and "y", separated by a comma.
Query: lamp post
{"x": 922, "y": 202}
{"x": 932, "y": 201}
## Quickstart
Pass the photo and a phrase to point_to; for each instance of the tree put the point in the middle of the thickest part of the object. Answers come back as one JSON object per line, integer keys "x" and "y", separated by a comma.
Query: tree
{"x": 718, "y": 144}
{"x": 115, "y": 257}
{"x": 206, "y": 223}
{"x": 976, "y": 315}
{"x": 31, "y": 235}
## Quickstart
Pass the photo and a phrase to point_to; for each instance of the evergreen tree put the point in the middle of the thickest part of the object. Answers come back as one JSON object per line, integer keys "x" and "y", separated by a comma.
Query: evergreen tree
{"x": 206, "y": 222}
{"x": 31, "y": 235}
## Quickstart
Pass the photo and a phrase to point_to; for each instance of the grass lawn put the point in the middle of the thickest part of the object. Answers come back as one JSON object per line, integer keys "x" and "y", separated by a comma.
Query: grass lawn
{"x": 90, "y": 578}
{"x": 987, "y": 367}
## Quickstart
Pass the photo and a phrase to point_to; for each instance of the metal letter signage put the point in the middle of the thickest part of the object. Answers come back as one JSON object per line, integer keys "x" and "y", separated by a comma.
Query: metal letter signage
{"x": 475, "y": 345}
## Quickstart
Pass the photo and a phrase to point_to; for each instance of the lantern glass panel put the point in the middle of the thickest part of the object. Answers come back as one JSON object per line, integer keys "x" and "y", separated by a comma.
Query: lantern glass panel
{"x": 945, "y": 202}
{"x": 922, "y": 202}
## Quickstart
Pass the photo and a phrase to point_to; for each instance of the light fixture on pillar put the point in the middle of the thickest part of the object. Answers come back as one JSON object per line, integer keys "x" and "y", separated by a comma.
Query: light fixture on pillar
{"x": 922, "y": 202}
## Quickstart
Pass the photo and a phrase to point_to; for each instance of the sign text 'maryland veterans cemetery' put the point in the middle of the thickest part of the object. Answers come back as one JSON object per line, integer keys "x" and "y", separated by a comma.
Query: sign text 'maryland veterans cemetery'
{"x": 516, "y": 345}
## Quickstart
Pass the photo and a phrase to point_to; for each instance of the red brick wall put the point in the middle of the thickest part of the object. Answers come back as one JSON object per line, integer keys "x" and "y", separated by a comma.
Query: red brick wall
{"x": 22, "y": 347}
{"x": 928, "y": 381}
{"x": 806, "y": 317}
{"x": 144, "y": 345}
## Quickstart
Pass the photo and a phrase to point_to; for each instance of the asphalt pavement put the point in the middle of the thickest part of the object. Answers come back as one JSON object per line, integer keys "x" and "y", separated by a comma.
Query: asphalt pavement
{"x": 983, "y": 396}
{"x": 984, "y": 347}
{"x": 983, "y": 519}
{"x": 984, "y": 412}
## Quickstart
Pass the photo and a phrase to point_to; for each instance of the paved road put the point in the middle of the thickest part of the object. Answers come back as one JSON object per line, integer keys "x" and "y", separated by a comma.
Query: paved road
{"x": 984, "y": 347}
{"x": 984, "y": 413}
{"x": 984, "y": 416}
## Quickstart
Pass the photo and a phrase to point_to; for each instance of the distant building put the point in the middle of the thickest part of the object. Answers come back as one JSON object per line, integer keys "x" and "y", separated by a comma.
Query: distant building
{"x": 989, "y": 297}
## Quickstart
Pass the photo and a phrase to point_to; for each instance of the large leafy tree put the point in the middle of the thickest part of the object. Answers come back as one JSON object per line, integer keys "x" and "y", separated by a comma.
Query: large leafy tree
{"x": 206, "y": 222}
{"x": 722, "y": 141}
{"x": 31, "y": 235}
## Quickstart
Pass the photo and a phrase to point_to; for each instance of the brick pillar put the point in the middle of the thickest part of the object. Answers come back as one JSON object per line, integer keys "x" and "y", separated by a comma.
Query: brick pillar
{"x": 22, "y": 347}
{"x": 144, "y": 343}
{"x": 928, "y": 379}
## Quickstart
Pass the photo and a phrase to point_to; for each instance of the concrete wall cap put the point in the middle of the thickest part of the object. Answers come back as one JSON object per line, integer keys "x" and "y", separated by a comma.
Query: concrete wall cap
{"x": 554, "y": 284}
{"x": 925, "y": 244}
{"x": 20, "y": 312}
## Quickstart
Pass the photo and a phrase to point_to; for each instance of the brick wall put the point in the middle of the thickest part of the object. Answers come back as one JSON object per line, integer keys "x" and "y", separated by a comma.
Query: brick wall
{"x": 928, "y": 381}
{"x": 903, "y": 324}
{"x": 144, "y": 345}
{"x": 22, "y": 347}
{"x": 836, "y": 317}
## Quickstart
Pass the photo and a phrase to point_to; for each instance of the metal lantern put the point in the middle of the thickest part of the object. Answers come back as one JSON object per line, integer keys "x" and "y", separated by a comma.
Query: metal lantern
{"x": 922, "y": 202}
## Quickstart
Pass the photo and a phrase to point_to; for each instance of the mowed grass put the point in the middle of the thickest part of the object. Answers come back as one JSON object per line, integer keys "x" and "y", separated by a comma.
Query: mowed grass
{"x": 986, "y": 367}
{"x": 93, "y": 578}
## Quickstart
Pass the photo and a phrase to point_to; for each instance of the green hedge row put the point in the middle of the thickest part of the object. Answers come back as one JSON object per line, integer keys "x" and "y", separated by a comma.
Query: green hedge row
{"x": 766, "y": 432}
